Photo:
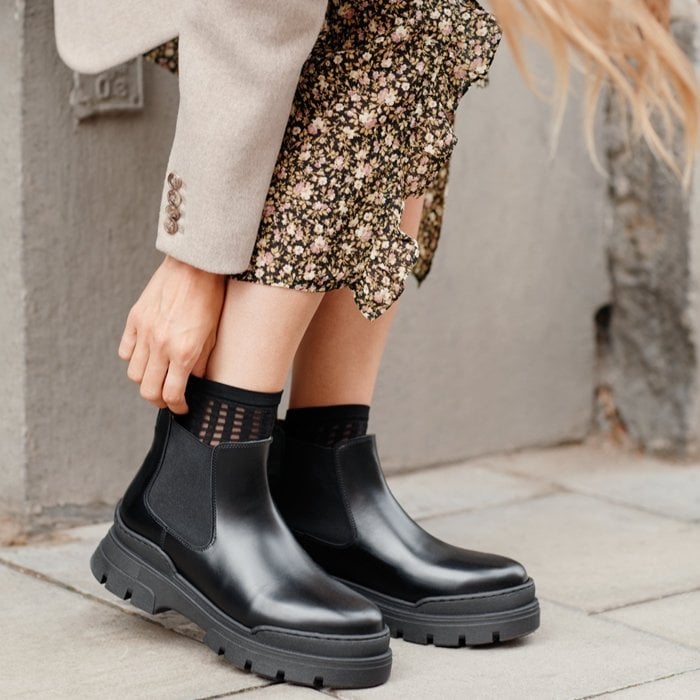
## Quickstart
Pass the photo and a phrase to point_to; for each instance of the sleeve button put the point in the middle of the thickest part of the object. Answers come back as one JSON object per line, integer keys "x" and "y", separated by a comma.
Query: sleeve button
{"x": 174, "y": 181}
{"x": 171, "y": 226}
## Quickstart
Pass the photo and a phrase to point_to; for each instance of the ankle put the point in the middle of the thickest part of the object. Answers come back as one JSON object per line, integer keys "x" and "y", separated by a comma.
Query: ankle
{"x": 222, "y": 413}
{"x": 327, "y": 425}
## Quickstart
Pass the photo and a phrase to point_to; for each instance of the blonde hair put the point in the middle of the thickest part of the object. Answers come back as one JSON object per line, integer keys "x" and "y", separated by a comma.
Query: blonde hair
{"x": 624, "y": 43}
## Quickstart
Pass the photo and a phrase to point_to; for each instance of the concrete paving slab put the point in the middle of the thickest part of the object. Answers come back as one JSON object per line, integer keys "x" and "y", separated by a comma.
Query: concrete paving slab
{"x": 661, "y": 486}
{"x": 459, "y": 487}
{"x": 281, "y": 691}
{"x": 573, "y": 655}
{"x": 58, "y": 644}
{"x": 685, "y": 686}
{"x": 582, "y": 551}
{"x": 65, "y": 558}
{"x": 676, "y": 618}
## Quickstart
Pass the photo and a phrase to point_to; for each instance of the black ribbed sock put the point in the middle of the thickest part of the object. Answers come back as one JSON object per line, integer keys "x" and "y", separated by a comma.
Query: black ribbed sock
{"x": 327, "y": 425}
{"x": 222, "y": 413}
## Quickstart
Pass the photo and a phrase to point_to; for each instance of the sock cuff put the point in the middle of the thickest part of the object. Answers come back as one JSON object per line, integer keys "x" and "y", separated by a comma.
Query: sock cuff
{"x": 347, "y": 411}
{"x": 225, "y": 392}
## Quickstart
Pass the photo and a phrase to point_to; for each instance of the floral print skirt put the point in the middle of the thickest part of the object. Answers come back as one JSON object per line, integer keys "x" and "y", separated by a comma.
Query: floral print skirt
{"x": 371, "y": 124}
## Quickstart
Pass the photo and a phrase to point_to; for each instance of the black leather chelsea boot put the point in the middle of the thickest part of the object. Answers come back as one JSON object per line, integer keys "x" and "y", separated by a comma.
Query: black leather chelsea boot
{"x": 337, "y": 503}
{"x": 197, "y": 532}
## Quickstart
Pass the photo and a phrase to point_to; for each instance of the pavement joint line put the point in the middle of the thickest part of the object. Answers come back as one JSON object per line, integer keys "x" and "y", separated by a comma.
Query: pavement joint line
{"x": 619, "y": 623}
{"x": 476, "y": 509}
{"x": 334, "y": 694}
{"x": 653, "y": 599}
{"x": 240, "y": 691}
{"x": 565, "y": 488}
{"x": 151, "y": 619}
{"x": 632, "y": 506}
{"x": 485, "y": 460}
{"x": 640, "y": 684}
{"x": 656, "y": 635}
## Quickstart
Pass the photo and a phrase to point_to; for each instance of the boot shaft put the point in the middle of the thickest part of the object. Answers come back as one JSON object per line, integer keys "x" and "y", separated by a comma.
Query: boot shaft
{"x": 183, "y": 482}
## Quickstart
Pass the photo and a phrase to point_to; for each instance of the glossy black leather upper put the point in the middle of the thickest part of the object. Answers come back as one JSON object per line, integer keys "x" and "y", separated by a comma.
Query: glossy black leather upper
{"x": 249, "y": 564}
{"x": 339, "y": 506}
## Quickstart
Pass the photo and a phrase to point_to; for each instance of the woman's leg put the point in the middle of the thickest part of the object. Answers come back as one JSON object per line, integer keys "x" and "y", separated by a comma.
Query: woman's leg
{"x": 338, "y": 358}
{"x": 328, "y": 486}
{"x": 259, "y": 332}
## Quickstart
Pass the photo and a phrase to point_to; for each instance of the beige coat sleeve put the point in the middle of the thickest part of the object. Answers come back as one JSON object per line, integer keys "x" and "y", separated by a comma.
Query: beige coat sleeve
{"x": 239, "y": 65}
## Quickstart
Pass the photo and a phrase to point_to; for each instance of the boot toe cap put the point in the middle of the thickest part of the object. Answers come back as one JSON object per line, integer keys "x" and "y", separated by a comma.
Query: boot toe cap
{"x": 490, "y": 572}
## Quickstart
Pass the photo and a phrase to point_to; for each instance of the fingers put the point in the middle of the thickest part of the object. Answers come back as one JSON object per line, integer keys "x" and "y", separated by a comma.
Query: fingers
{"x": 138, "y": 361}
{"x": 174, "y": 388}
{"x": 162, "y": 379}
{"x": 153, "y": 379}
{"x": 128, "y": 341}
{"x": 200, "y": 366}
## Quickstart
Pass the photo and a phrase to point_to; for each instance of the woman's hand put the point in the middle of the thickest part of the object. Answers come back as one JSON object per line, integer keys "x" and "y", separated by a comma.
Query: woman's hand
{"x": 171, "y": 330}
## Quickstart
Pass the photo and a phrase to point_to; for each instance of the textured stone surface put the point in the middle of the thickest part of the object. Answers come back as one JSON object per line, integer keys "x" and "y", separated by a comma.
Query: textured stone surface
{"x": 78, "y": 648}
{"x": 571, "y": 656}
{"x": 676, "y": 617}
{"x": 460, "y": 487}
{"x": 652, "y": 335}
{"x": 669, "y": 488}
{"x": 583, "y": 551}
{"x": 284, "y": 691}
{"x": 682, "y": 686}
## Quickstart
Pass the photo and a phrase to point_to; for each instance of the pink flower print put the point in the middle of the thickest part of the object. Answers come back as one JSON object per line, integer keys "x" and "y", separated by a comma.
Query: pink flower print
{"x": 477, "y": 65}
{"x": 387, "y": 96}
{"x": 346, "y": 11}
{"x": 317, "y": 126}
{"x": 303, "y": 190}
{"x": 382, "y": 296}
{"x": 399, "y": 34}
{"x": 368, "y": 119}
{"x": 363, "y": 233}
{"x": 319, "y": 245}
{"x": 339, "y": 162}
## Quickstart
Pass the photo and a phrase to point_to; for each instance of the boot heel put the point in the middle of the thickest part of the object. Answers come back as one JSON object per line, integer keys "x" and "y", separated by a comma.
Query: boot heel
{"x": 120, "y": 574}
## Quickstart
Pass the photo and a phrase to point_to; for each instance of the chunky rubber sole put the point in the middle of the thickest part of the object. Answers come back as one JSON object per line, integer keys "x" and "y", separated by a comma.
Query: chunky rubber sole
{"x": 135, "y": 569}
{"x": 457, "y": 621}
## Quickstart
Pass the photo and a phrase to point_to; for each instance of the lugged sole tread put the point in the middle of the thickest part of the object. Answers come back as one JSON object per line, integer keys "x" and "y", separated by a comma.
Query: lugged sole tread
{"x": 132, "y": 588}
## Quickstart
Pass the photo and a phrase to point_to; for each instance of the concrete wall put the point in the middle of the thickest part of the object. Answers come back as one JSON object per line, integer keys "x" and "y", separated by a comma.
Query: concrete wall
{"x": 80, "y": 203}
{"x": 496, "y": 350}
{"x": 12, "y": 308}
